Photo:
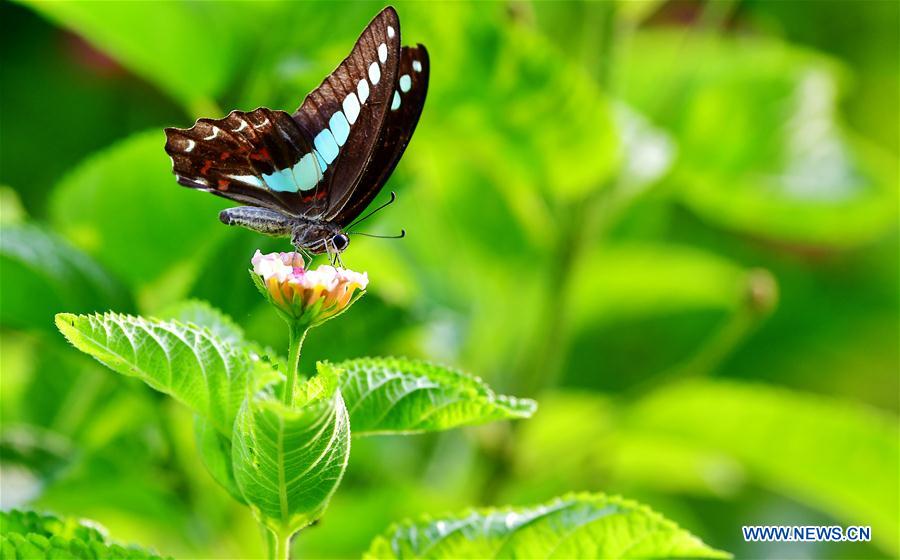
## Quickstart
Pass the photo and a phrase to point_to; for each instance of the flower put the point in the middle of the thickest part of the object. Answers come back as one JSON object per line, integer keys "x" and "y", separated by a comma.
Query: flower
{"x": 308, "y": 297}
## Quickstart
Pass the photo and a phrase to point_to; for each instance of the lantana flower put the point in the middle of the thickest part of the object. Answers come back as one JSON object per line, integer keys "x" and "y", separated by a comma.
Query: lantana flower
{"x": 302, "y": 296}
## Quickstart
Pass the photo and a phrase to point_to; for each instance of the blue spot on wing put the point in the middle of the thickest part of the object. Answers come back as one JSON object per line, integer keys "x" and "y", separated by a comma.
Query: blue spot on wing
{"x": 282, "y": 180}
{"x": 306, "y": 172}
{"x": 326, "y": 145}
{"x": 340, "y": 128}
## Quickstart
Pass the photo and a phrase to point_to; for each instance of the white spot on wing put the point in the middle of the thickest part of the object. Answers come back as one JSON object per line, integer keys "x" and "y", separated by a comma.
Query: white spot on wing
{"x": 382, "y": 53}
{"x": 190, "y": 145}
{"x": 242, "y": 127}
{"x": 215, "y": 132}
{"x": 417, "y": 66}
{"x": 374, "y": 73}
{"x": 395, "y": 102}
{"x": 251, "y": 180}
{"x": 362, "y": 88}
{"x": 351, "y": 107}
{"x": 391, "y": 32}
{"x": 405, "y": 83}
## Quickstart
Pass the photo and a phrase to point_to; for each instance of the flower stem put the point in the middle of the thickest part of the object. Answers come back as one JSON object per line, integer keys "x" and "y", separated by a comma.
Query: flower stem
{"x": 296, "y": 333}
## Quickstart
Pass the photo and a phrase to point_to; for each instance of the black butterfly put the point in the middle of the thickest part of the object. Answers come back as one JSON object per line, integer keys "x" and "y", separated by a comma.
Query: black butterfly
{"x": 310, "y": 174}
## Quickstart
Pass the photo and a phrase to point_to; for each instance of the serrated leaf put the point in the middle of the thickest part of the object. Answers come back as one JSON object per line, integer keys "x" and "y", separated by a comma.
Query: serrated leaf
{"x": 574, "y": 526}
{"x": 840, "y": 457}
{"x": 185, "y": 361}
{"x": 27, "y": 534}
{"x": 396, "y": 395}
{"x": 288, "y": 461}
{"x": 203, "y": 314}
{"x": 42, "y": 274}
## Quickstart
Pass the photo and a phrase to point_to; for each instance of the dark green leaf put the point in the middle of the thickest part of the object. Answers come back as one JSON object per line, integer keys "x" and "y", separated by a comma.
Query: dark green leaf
{"x": 43, "y": 274}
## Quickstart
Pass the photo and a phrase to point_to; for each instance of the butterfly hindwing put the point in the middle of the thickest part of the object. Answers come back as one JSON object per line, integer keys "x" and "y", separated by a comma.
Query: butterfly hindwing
{"x": 403, "y": 114}
{"x": 259, "y": 158}
{"x": 345, "y": 114}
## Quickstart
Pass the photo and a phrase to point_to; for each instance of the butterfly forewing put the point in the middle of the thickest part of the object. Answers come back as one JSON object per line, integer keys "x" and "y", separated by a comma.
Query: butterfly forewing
{"x": 407, "y": 102}
{"x": 345, "y": 114}
{"x": 261, "y": 158}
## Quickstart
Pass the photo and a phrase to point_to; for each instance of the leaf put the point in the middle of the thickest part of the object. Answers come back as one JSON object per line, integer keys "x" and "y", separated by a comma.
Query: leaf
{"x": 123, "y": 206}
{"x": 635, "y": 279}
{"x": 43, "y": 274}
{"x": 837, "y": 456}
{"x": 203, "y": 314}
{"x": 215, "y": 452}
{"x": 188, "y": 69}
{"x": 574, "y": 526}
{"x": 784, "y": 167}
{"x": 26, "y": 534}
{"x": 184, "y": 361}
{"x": 396, "y": 395}
{"x": 289, "y": 461}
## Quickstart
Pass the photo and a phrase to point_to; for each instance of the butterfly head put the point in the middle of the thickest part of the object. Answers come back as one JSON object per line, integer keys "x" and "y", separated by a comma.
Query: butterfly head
{"x": 340, "y": 242}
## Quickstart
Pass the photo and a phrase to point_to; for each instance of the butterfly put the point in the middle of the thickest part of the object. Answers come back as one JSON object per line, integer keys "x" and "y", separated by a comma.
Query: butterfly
{"x": 310, "y": 174}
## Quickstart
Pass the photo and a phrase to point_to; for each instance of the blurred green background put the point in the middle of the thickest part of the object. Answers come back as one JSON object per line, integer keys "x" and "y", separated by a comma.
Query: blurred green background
{"x": 674, "y": 224}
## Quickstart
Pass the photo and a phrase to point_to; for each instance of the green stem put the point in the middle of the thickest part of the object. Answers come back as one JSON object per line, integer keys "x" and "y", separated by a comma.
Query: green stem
{"x": 296, "y": 333}
{"x": 278, "y": 545}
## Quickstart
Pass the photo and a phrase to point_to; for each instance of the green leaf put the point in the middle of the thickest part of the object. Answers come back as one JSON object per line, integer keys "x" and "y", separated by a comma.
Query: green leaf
{"x": 185, "y": 361}
{"x": 189, "y": 70}
{"x": 202, "y": 314}
{"x": 837, "y": 456}
{"x": 43, "y": 274}
{"x": 784, "y": 167}
{"x": 26, "y": 534}
{"x": 574, "y": 526}
{"x": 288, "y": 461}
{"x": 396, "y": 395}
{"x": 123, "y": 206}
{"x": 635, "y": 279}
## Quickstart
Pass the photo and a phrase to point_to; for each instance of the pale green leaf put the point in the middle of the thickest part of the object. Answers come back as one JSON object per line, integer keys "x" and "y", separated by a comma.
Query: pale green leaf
{"x": 784, "y": 166}
{"x": 837, "y": 456}
{"x": 574, "y": 526}
{"x": 288, "y": 461}
{"x": 182, "y": 360}
{"x": 36, "y": 536}
{"x": 635, "y": 279}
{"x": 123, "y": 206}
{"x": 397, "y": 395}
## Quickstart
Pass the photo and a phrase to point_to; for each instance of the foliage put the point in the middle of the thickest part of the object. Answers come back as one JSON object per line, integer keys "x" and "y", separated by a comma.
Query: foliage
{"x": 396, "y": 396}
{"x": 602, "y": 199}
{"x": 36, "y": 536}
{"x": 574, "y": 526}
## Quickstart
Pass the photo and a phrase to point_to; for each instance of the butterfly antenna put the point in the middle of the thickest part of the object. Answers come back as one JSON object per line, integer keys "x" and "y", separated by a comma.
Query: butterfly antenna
{"x": 401, "y": 235}
{"x": 370, "y": 214}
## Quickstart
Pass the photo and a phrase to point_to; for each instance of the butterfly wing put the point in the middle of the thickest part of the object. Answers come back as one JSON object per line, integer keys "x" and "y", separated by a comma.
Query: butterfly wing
{"x": 345, "y": 114}
{"x": 407, "y": 103}
{"x": 259, "y": 158}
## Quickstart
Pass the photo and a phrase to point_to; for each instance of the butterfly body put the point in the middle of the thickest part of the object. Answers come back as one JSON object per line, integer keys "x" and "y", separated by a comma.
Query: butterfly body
{"x": 314, "y": 236}
{"x": 308, "y": 175}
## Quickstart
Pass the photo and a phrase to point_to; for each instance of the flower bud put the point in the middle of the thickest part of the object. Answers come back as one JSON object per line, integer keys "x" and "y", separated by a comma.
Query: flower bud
{"x": 307, "y": 297}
